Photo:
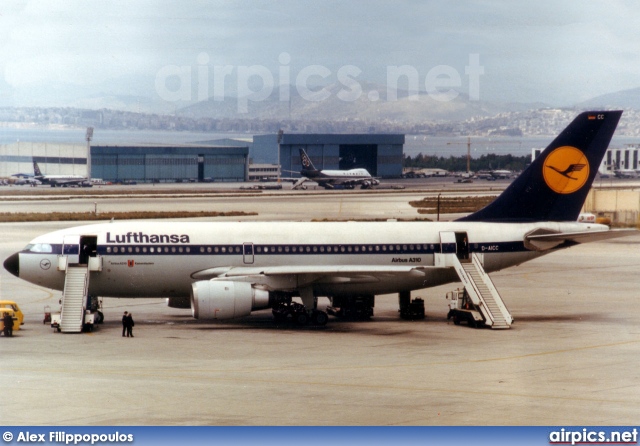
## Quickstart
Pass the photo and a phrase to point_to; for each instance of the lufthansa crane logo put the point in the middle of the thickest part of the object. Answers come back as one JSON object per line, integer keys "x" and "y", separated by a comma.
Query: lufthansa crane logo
{"x": 565, "y": 170}
{"x": 305, "y": 161}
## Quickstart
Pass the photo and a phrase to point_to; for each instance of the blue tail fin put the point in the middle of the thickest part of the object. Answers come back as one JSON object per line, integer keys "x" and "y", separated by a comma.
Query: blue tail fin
{"x": 555, "y": 185}
{"x": 36, "y": 169}
{"x": 307, "y": 165}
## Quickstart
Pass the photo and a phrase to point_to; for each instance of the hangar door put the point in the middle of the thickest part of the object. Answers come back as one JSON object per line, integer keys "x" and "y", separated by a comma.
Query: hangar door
{"x": 364, "y": 156}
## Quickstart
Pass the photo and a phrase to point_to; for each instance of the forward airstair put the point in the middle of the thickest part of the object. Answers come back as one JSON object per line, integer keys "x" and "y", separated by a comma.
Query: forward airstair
{"x": 74, "y": 299}
{"x": 482, "y": 291}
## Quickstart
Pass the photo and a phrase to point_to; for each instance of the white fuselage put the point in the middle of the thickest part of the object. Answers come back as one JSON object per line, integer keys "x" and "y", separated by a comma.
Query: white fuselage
{"x": 61, "y": 179}
{"x": 161, "y": 259}
{"x": 347, "y": 174}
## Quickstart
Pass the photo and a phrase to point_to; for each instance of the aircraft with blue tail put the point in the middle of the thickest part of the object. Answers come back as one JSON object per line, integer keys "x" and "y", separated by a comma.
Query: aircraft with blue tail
{"x": 227, "y": 270}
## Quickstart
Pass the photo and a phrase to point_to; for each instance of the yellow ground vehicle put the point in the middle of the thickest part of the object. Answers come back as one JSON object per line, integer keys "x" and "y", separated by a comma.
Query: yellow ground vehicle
{"x": 16, "y": 309}
{"x": 3, "y": 311}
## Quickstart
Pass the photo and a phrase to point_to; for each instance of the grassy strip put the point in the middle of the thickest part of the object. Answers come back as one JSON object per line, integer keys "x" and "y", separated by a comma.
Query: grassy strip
{"x": 90, "y": 216}
{"x": 451, "y": 205}
{"x": 94, "y": 191}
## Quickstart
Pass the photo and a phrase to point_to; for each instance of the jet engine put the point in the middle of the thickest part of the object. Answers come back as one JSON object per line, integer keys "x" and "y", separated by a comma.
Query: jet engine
{"x": 221, "y": 300}
{"x": 179, "y": 302}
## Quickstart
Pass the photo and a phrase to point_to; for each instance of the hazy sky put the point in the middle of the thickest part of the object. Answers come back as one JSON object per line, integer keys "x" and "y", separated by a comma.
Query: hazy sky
{"x": 559, "y": 52}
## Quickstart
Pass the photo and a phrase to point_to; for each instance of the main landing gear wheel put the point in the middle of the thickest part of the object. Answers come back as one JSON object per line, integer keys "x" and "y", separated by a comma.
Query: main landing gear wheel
{"x": 297, "y": 314}
{"x": 302, "y": 319}
{"x": 319, "y": 318}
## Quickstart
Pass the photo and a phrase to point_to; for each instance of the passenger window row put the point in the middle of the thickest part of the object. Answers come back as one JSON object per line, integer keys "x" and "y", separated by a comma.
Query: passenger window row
{"x": 268, "y": 249}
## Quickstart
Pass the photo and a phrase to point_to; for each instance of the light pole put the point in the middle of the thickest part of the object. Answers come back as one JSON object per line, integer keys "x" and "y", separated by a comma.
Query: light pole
{"x": 280, "y": 133}
{"x": 89, "y": 135}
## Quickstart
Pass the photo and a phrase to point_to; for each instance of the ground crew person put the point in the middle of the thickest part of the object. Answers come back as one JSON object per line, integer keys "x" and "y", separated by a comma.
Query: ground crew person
{"x": 8, "y": 324}
{"x": 125, "y": 319}
{"x": 130, "y": 325}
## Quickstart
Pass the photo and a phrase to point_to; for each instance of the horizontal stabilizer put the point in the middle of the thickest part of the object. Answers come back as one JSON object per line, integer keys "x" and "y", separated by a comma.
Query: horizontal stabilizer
{"x": 548, "y": 241}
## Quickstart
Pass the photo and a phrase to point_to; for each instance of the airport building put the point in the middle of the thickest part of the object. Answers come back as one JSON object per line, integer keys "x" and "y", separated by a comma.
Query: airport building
{"x": 380, "y": 154}
{"x": 52, "y": 158}
{"x": 621, "y": 162}
{"x": 170, "y": 163}
{"x": 139, "y": 163}
{"x": 263, "y": 172}
{"x": 217, "y": 160}
{"x": 625, "y": 159}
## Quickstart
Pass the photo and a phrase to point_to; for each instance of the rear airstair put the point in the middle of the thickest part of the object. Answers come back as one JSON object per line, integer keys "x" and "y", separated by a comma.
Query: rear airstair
{"x": 74, "y": 299}
{"x": 482, "y": 291}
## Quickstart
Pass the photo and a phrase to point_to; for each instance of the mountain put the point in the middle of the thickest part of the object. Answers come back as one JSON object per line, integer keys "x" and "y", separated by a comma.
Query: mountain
{"x": 625, "y": 99}
{"x": 128, "y": 103}
{"x": 337, "y": 102}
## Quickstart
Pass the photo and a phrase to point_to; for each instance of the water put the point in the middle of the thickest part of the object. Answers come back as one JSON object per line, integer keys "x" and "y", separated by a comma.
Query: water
{"x": 110, "y": 137}
{"x": 414, "y": 144}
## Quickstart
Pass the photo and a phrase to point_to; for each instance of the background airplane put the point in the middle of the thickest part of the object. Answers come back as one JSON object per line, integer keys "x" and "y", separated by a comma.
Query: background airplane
{"x": 27, "y": 180}
{"x": 60, "y": 180}
{"x": 331, "y": 179}
{"x": 21, "y": 179}
{"x": 22, "y": 175}
{"x": 500, "y": 174}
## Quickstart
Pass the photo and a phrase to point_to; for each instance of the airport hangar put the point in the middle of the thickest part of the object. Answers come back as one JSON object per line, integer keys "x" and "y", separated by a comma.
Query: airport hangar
{"x": 217, "y": 160}
{"x": 380, "y": 154}
{"x": 140, "y": 163}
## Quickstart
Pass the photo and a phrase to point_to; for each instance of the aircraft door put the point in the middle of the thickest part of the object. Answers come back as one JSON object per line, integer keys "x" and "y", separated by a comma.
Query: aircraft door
{"x": 88, "y": 248}
{"x": 455, "y": 243}
{"x": 71, "y": 248}
{"x": 247, "y": 253}
{"x": 462, "y": 246}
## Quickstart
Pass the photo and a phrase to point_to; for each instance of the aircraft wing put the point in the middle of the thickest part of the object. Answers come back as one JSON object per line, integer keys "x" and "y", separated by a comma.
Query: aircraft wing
{"x": 330, "y": 269}
{"x": 548, "y": 241}
{"x": 344, "y": 180}
{"x": 349, "y": 182}
{"x": 293, "y": 277}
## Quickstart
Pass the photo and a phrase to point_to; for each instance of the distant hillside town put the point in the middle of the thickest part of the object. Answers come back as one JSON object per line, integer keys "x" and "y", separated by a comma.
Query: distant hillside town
{"x": 538, "y": 122}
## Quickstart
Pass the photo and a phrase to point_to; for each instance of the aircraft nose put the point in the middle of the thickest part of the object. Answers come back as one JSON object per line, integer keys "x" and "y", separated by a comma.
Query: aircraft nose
{"x": 12, "y": 264}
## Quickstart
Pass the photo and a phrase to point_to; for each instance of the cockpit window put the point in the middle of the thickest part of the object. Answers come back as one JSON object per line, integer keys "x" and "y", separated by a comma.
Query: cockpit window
{"x": 39, "y": 247}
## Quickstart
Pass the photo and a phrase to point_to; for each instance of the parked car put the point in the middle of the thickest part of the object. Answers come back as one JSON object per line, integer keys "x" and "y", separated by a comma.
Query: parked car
{"x": 16, "y": 324}
{"x": 16, "y": 309}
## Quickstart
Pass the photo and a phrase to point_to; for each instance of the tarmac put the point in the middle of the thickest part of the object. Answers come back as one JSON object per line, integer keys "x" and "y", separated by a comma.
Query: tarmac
{"x": 571, "y": 357}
